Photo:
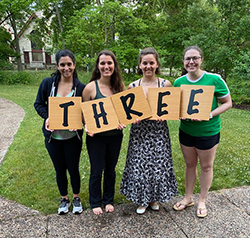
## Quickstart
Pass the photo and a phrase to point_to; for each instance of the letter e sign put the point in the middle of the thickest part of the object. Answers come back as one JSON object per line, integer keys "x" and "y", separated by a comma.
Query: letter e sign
{"x": 196, "y": 101}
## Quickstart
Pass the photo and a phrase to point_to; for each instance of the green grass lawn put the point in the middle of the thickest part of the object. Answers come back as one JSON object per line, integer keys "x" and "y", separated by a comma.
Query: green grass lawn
{"x": 28, "y": 177}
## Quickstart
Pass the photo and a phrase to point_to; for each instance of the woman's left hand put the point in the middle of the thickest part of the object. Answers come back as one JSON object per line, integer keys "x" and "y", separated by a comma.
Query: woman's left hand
{"x": 121, "y": 126}
{"x": 195, "y": 119}
{"x": 159, "y": 119}
{"x": 72, "y": 129}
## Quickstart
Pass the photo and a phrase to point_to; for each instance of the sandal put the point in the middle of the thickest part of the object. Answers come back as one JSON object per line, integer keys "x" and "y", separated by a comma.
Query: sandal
{"x": 201, "y": 212}
{"x": 154, "y": 206}
{"x": 181, "y": 206}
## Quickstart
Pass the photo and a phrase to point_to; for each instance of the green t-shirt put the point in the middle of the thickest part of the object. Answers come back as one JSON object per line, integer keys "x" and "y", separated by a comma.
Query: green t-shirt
{"x": 211, "y": 127}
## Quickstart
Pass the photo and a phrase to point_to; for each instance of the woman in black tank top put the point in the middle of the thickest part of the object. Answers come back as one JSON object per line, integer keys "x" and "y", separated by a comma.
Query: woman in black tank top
{"x": 103, "y": 148}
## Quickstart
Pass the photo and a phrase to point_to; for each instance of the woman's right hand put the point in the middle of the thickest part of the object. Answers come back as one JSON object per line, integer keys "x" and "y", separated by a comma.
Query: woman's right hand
{"x": 87, "y": 132}
{"x": 136, "y": 121}
{"x": 47, "y": 125}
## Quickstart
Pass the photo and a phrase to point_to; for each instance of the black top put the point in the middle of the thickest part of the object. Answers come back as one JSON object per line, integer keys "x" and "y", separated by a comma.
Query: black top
{"x": 48, "y": 88}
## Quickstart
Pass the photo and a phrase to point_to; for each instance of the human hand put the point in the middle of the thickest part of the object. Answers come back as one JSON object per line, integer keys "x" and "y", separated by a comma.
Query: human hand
{"x": 72, "y": 129}
{"x": 47, "y": 125}
{"x": 195, "y": 119}
{"x": 87, "y": 132}
{"x": 121, "y": 126}
{"x": 159, "y": 119}
{"x": 136, "y": 121}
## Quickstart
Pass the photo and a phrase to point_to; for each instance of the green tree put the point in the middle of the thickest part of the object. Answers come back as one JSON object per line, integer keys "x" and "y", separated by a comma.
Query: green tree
{"x": 110, "y": 25}
{"x": 224, "y": 33}
{"x": 5, "y": 49}
{"x": 15, "y": 13}
{"x": 55, "y": 21}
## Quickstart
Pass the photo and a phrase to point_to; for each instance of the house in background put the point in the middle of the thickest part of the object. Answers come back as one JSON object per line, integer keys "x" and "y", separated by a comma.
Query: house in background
{"x": 32, "y": 56}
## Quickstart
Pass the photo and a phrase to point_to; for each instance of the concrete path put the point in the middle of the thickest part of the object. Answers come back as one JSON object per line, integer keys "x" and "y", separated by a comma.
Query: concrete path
{"x": 11, "y": 116}
{"x": 229, "y": 212}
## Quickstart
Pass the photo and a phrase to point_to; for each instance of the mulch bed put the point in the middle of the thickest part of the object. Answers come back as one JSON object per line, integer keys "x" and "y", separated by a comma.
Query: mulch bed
{"x": 243, "y": 106}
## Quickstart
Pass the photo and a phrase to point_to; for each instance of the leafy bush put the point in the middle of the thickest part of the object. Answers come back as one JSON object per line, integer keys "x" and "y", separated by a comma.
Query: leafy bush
{"x": 22, "y": 77}
{"x": 242, "y": 69}
{"x": 239, "y": 90}
{"x": 5, "y": 65}
{"x": 239, "y": 80}
{"x": 15, "y": 77}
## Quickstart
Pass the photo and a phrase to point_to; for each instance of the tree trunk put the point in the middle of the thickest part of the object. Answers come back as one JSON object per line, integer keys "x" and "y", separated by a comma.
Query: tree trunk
{"x": 170, "y": 71}
{"x": 106, "y": 33}
{"x": 60, "y": 24}
{"x": 16, "y": 40}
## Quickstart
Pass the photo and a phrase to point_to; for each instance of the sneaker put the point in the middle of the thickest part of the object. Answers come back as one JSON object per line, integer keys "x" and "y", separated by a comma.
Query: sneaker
{"x": 64, "y": 208}
{"x": 77, "y": 206}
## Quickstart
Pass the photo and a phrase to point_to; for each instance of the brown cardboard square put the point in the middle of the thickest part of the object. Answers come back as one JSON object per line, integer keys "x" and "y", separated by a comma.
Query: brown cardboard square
{"x": 196, "y": 101}
{"x": 65, "y": 113}
{"x": 164, "y": 103}
{"x": 107, "y": 119}
{"x": 131, "y": 104}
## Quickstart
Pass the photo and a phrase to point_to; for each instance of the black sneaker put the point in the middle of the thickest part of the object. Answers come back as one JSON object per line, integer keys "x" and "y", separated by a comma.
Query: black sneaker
{"x": 64, "y": 208}
{"x": 77, "y": 206}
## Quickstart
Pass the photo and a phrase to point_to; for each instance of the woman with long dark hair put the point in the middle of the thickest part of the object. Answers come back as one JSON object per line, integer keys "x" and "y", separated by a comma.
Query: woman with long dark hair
{"x": 64, "y": 146}
{"x": 103, "y": 148}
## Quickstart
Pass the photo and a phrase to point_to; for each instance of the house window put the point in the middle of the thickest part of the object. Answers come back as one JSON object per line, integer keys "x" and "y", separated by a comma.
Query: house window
{"x": 26, "y": 57}
{"x": 36, "y": 47}
{"x": 48, "y": 58}
{"x": 37, "y": 55}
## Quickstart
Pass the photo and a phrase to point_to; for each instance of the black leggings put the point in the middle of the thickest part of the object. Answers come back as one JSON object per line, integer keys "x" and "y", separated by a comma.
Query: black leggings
{"x": 65, "y": 155}
{"x": 103, "y": 154}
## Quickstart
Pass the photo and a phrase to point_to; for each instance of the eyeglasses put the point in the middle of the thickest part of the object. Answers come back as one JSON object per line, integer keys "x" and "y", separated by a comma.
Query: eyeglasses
{"x": 194, "y": 58}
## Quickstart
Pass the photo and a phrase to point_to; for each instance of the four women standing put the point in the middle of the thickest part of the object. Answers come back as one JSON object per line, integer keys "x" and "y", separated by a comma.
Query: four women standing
{"x": 148, "y": 175}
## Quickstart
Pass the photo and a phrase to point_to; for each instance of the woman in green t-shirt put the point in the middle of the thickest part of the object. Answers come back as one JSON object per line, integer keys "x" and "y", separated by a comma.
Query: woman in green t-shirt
{"x": 199, "y": 139}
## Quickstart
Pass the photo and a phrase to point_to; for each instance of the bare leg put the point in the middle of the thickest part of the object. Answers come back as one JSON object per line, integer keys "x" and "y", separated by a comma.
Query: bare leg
{"x": 191, "y": 159}
{"x": 206, "y": 158}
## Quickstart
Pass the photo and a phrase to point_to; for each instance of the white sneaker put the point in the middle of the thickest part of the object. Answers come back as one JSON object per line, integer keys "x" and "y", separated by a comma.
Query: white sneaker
{"x": 77, "y": 206}
{"x": 64, "y": 207}
{"x": 140, "y": 210}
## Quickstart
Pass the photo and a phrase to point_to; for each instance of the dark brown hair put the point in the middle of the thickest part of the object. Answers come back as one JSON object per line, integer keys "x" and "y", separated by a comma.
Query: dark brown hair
{"x": 148, "y": 51}
{"x": 64, "y": 53}
{"x": 116, "y": 78}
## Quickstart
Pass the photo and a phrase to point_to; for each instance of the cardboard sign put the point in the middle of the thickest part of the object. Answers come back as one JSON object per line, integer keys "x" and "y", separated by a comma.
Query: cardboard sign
{"x": 164, "y": 103}
{"x": 99, "y": 115}
{"x": 65, "y": 113}
{"x": 131, "y": 104}
{"x": 196, "y": 101}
